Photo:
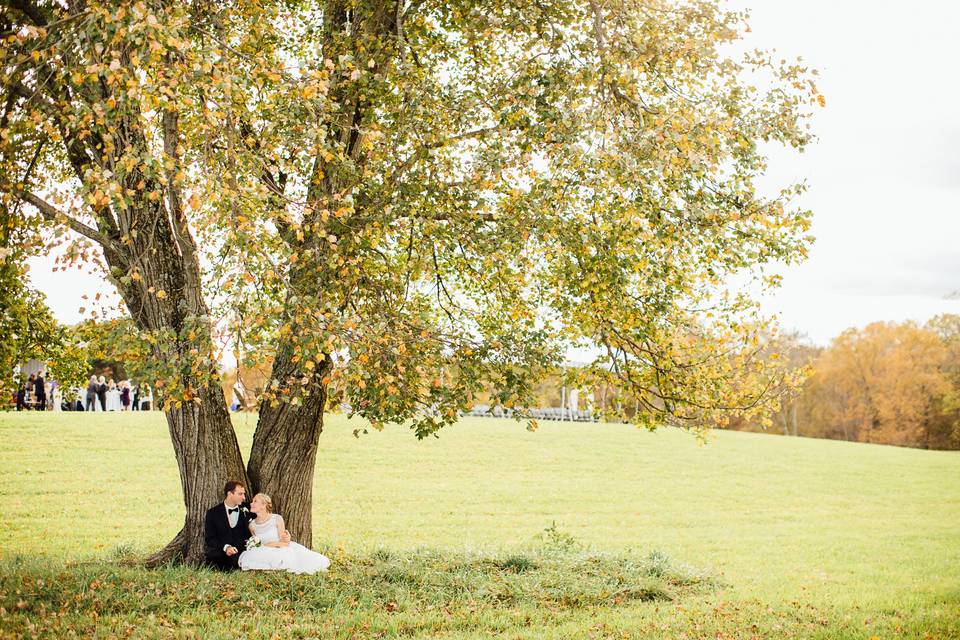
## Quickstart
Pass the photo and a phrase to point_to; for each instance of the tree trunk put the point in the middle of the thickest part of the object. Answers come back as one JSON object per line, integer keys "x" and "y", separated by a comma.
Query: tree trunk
{"x": 204, "y": 442}
{"x": 284, "y": 452}
{"x": 208, "y": 455}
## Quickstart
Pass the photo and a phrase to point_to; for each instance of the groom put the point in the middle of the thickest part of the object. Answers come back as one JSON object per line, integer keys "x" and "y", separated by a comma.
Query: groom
{"x": 227, "y": 527}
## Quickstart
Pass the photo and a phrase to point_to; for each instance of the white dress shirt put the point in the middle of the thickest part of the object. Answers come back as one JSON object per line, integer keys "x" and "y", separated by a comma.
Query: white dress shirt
{"x": 232, "y": 519}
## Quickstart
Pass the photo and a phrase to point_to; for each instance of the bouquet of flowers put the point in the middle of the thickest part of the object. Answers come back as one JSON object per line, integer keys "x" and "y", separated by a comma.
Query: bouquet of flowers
{"x": 253, "y": 542}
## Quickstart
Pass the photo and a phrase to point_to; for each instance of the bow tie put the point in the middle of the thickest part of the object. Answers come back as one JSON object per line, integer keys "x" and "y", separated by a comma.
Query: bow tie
{"x": 234, "y": 510}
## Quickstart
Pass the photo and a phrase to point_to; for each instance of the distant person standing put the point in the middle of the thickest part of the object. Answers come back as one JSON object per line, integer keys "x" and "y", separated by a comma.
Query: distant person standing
{"x": 55, "y": 395}
{"x": 136, "y": 396}
{"x": 28, "y": 399}
{"x": 40, "y": 392}
{"x": 21, "y": 396}
{"x": 146, "y": 398}
{"x": 92, "y": 388}
{"x": 113, "y": 396}
{"x": 125, "y": 395}
{"x": 102, "y": 393}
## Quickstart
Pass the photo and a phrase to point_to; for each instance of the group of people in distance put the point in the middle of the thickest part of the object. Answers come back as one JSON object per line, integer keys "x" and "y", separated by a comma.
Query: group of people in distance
{"x": 33, "y": 392}
{"x": 38, "y": 393}
{"x": 107, "y": 395}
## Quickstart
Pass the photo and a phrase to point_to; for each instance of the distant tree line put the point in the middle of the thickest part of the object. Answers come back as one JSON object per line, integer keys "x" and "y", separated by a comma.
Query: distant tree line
{"x": 888, "y": 383}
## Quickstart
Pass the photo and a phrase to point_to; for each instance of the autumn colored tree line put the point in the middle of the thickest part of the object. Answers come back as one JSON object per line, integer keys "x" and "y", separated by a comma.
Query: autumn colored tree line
{"x": 888, "y": 383}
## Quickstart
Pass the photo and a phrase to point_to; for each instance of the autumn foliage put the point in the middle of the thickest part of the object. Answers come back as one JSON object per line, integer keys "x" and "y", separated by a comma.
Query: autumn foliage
{"x": 887, "y": 383}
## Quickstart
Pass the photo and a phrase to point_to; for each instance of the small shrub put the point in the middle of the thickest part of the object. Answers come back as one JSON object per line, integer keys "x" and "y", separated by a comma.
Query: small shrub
{"x": 555, "y": 540}
{"x": 517, "y": 564}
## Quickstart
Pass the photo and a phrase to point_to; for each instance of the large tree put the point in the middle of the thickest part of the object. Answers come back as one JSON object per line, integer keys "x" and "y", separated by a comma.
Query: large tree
{"x": 412, "y": 200}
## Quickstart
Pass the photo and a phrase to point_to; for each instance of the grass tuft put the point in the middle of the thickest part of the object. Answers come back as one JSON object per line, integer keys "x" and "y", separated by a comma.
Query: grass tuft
{"x": 517, "y": 563}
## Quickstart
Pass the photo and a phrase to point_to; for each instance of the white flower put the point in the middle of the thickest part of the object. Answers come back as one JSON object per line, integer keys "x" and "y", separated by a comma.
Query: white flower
{"x": 253, "y": 542}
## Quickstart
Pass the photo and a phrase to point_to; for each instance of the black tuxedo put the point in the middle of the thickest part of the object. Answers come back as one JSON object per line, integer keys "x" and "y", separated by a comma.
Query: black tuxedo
{"x": 217, "y": 533}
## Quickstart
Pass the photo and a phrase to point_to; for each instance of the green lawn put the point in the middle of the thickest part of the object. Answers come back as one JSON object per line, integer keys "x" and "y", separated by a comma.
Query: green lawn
{"x": 804, "y": 538}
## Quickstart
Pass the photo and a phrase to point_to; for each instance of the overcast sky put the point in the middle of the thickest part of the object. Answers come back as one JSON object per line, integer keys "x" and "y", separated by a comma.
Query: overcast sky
{"x": 884, "y": 175}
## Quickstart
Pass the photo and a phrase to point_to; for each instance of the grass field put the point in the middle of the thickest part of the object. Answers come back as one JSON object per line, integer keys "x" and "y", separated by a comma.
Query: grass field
{"x": 801, "y": 538}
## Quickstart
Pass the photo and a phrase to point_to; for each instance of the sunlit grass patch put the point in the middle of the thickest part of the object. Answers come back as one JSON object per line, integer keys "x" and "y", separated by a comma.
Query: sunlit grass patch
{"x": 576, "y": 530}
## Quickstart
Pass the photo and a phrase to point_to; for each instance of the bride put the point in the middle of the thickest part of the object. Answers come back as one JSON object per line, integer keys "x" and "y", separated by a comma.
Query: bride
{"x": 271, "y": 553}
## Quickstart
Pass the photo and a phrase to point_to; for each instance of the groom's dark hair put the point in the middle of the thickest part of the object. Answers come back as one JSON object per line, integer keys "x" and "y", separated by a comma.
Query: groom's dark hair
{"x": 231, "y": 486}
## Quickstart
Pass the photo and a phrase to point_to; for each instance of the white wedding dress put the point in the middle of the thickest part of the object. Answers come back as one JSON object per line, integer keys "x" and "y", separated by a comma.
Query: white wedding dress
{"x": 294, "y": 558}
{"x": 113, "y": 400}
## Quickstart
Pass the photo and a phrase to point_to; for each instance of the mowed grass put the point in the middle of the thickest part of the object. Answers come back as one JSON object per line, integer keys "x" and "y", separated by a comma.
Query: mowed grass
{"x": 802, "y": 538}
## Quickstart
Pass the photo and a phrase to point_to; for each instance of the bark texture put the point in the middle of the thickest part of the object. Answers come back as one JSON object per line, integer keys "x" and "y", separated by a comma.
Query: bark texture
{"x": 284, "y": 453}
{"x": 204, "y": 442}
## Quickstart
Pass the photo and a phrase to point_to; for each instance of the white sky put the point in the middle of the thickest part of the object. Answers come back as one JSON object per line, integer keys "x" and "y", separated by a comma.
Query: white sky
{"x": 884, "y": 176}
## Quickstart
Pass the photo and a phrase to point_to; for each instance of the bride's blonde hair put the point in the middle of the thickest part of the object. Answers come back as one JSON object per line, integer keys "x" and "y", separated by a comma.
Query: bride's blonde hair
{"x": 266, "y": 500}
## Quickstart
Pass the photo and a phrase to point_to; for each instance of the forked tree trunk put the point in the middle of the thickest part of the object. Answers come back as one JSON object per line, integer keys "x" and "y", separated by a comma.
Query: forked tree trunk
{"x": 284, "y": 452}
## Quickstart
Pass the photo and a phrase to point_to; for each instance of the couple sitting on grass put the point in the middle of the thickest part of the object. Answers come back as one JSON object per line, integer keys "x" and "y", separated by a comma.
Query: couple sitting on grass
{"x": 252, "y": 537}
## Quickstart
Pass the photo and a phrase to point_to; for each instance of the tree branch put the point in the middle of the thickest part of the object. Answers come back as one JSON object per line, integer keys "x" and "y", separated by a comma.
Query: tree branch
{"x": 53, "y": 214}
{"x": 35, "y": 97}
{"x": 466, "y": 135}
